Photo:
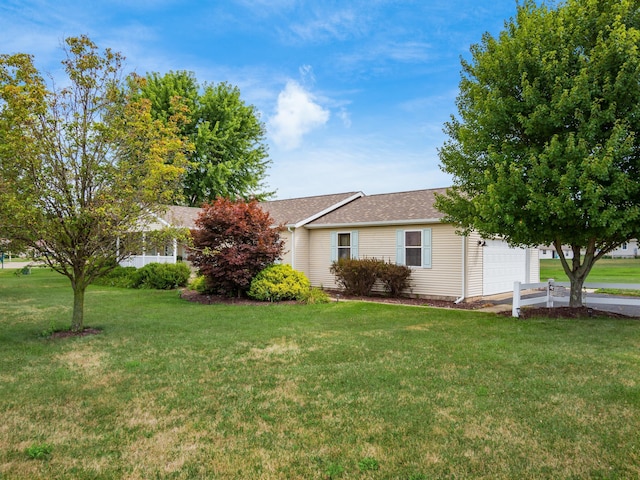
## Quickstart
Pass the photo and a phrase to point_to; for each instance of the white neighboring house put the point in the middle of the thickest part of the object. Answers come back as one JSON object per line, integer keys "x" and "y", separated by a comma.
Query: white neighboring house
{"x": 403, "y": 228}
{"x": 626, "y": 250}
{"x": 549, "y": 251}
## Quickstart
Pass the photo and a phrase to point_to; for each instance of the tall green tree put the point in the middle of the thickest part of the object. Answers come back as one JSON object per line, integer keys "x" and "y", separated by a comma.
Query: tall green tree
{"x": 546, "y": 146}
{"x": 83, "y": 165}
{"x": 230, "y": 157}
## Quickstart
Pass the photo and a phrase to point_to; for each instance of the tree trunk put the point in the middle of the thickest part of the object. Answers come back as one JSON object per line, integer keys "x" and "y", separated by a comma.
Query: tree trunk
{"x": 575, "y": 296}
{"x": 577, "y": 272}
{"x": 77, "y": 321}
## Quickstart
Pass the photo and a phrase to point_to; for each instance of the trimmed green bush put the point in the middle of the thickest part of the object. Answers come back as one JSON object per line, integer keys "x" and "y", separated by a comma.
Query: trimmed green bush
{"x": 279, "y": 282}
{"x": 118, "y": 277}
{"x": 161, "y": 276}
{"x": 199, "y": 284}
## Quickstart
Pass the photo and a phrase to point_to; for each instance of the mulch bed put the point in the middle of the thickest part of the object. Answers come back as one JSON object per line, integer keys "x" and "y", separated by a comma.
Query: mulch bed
{"x": 82, "y": 333}
{"x": 528, "y": 312}
{"x": 207, "y": 299}
{"x": 193, "y": 296}
{"x": 567, "y": 312}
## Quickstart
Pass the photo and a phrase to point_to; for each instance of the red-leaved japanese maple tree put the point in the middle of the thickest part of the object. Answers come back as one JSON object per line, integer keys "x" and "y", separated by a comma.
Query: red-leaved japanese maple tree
{"x": 233, "y": 242}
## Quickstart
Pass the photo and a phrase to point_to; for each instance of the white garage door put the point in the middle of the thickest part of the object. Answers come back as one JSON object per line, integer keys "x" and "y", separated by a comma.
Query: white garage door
{"x": 502, "y": 265}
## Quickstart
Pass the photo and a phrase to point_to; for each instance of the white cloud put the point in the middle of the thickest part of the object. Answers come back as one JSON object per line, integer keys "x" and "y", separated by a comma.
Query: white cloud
{"x": 345, "y": 117}
{"x": 297, "y": 113}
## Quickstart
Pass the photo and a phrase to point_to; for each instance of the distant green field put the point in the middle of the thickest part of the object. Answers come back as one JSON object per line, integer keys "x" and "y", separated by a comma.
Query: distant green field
{"x": 607, "y": 270}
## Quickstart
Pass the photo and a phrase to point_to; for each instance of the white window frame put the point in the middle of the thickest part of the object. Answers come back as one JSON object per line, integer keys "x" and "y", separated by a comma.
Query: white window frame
{"x": 425, "y": 247}
{"x": 353, "y": 244}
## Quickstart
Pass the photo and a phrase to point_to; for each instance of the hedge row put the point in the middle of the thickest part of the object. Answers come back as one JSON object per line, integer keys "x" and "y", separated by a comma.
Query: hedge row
{"x": 358, "y": 276}
{"x": 159, "y": 276}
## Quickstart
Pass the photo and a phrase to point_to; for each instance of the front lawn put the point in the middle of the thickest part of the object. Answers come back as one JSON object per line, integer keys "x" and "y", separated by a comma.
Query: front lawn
{"x": 171, "y": 389}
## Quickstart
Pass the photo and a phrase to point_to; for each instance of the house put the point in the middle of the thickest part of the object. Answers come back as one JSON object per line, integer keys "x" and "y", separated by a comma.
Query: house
{"x": 549, "y": 251}
{"x": 403, "y": 228}
{"x": 626, "y": 250}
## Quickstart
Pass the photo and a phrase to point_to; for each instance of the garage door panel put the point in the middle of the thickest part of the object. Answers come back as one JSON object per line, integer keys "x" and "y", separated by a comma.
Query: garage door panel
{"x": 501, "y": 266}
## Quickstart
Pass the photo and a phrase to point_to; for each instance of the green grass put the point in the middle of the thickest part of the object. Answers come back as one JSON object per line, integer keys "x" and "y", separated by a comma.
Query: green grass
{"x": 606, "y": 270}
{"x": 342, "y": 390}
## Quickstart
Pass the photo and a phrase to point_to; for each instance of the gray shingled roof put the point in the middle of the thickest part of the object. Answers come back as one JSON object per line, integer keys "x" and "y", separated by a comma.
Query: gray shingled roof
{"x": 284, "y": 212}
{"x": 388, "y": 208}
{"x": 181, "y": 216}
{"x": 295, "y": 210}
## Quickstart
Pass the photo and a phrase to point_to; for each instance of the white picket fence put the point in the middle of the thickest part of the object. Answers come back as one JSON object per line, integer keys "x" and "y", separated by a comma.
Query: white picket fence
{"x": 552, "y": 293}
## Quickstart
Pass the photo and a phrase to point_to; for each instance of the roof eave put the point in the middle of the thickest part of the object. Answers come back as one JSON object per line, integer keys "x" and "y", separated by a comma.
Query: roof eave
{"x": 385, "y": 223}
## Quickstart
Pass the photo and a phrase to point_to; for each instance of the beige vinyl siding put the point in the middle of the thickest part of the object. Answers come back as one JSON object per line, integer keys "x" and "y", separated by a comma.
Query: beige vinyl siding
{"x": 302, "y": 250}
{"x": 287, "y": 256}
{"x": 320, "y": 259}
{"x": 443, "y": 279}
{"x": 474, "y": 266}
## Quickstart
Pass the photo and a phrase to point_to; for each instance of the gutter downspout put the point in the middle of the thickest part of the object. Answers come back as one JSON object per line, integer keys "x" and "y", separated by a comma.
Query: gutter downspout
{"x": 464, "y": 269}
{"x": 293, "y": 246}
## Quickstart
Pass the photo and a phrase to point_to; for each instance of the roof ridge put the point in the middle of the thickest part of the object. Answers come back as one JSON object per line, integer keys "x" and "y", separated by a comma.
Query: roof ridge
{"x": 313, "y": 196}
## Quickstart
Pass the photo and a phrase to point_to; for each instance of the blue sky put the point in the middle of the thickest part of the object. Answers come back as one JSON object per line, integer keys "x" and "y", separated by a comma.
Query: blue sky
{"x": 354, "y": 94}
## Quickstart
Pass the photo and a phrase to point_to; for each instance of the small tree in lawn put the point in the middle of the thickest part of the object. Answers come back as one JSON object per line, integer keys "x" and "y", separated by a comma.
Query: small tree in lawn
{"x": 233, "y": 242}
{"x": 83, "y": 166}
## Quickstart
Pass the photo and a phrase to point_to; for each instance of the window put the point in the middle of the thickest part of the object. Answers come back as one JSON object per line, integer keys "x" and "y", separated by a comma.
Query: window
{"x": 344, "y": 245}
{"x": 413, "y": 248}
{"x": 625, "y": 246}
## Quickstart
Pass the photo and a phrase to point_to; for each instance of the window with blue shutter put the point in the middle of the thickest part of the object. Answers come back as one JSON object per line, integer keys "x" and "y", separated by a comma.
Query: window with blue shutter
{"x": 344, "y": 245}
{"x": 413, "y": 248}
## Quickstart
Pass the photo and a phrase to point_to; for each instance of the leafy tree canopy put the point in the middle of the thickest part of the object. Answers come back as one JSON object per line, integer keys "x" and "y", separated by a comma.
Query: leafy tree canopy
{"x": 235, "y": 240}
{"x": 229, "y": 157}
{"x": 546, "y": 146}
{"x": 83, "y": 165}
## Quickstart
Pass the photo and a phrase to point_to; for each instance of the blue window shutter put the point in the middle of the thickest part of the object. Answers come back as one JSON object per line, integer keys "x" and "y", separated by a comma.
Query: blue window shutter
{"x": 426, "y": 248}
{"x": 334, "y": 246}
{"x": 400, "y": 247}
{"x": 354, "y": 244}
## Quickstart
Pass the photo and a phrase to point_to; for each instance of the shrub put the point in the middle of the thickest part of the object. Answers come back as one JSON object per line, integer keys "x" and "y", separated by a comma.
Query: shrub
{"x": 161, "y": 276}
{"x": 118, "y": 277}
{"x": 315, "y": 296}
{"x": 356, "y": 276}
{"x": 233, "y": 242}
{"x": 394, "y": 278}
{"x": 279, "y": 282}
{"x": 199, "y": 284}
